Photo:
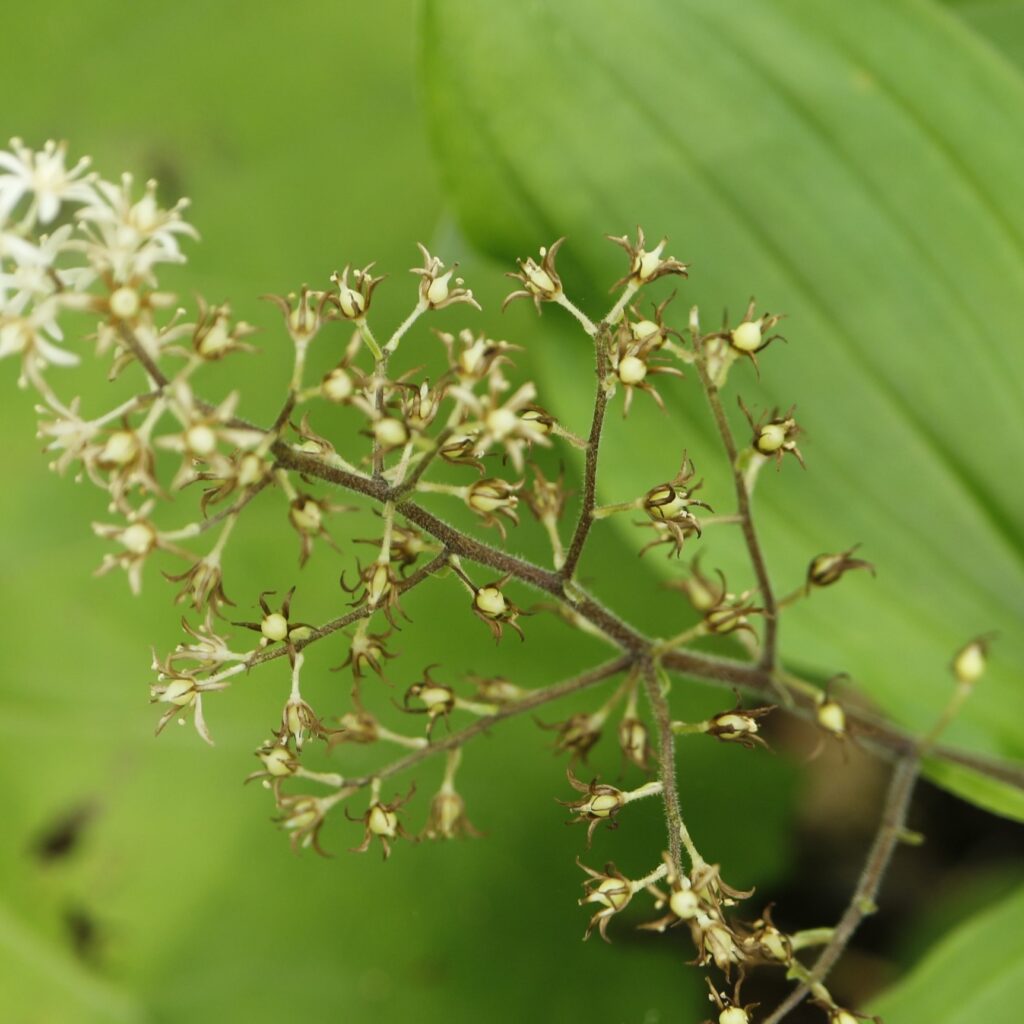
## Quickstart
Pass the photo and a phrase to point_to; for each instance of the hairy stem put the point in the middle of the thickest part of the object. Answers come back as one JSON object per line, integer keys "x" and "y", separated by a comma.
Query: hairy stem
{"x": 769, "y": 651}
{"x": 586, "y": 517}
{"x": 529, "y": 703}
{"x": 891, "y": 829}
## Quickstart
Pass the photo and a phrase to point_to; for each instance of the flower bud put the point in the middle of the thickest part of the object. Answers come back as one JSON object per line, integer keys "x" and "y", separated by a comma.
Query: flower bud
{"x": 831, "y": 717}
{"x": 382, "y": 821}
{"x": 970, "y": 662}
{"x": 389, "y": 432}
{"x": 632, "y": 370}
{"x": 492, "y": 495}
{"x": 490, "y": 601}
{"x": 634, "y": 741}
{"x": 684, "y": 903}
{"x": 827, "y": 569}
{"x": 338, "y": 385}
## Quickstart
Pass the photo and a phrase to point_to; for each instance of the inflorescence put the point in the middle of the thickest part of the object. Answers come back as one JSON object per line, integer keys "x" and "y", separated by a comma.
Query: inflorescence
{"x": 80, "y": 256}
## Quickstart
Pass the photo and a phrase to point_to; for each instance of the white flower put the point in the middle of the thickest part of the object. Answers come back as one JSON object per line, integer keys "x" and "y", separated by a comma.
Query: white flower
{"x": 32, "y": 336}
{"x": 34, "y": 274}
{"x": 128, "y": 237}
{"x": 44, "y": 176}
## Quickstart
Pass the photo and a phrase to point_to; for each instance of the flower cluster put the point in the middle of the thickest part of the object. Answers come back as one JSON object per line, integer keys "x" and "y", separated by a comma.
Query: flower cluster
{"x": 80, "y": 259}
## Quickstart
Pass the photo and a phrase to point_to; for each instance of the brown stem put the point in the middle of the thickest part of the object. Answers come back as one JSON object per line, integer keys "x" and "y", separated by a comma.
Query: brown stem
{"x": 586, "y": 517}
{"x": 362, "y": 612}
{"x": 769, "y": 651}
{"x": 706, "y": 668}
{"x": 890, "y": 830}
{"x": 519, "y": 707}
{"x": 666, "y": 766}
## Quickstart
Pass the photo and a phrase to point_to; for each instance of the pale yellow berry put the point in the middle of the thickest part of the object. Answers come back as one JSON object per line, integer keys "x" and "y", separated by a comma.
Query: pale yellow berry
{"x": 390, "y": 433}
{"x": 308, "y": 516}
{"x": 337, "y": 385}
{"x": 969, "y": 664}
{"x": 649, "y": 263}
{"x": 684, "y": 904}
{"x": 603, "y": 805}
{"x": 121, "y": 448}
{"x": 382, "y": 822}
{"x": 643, "y": 330}
{"x": 747, "y": 337}
{"x": 734, "y": 1015}
{"x": 125, "y": 303}
{"x": 250, "y": 469}
{"x": 771, "y": 438}
{"x": 491, "y": 602}
{"x": 832, "y": 718}
{"x": 201, "y": 440}
{"x": 614, "y": 893}
{"x": 274, "y": 627}
{"x": 216, "y": 340}
{"x": 437, "y": 291}
{"x": 139, "y": 538}
{"x": 632, "y": 370}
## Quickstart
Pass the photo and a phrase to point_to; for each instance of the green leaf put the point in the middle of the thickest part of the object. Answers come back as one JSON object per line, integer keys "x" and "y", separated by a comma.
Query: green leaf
{"x": 856, "y": 165}
{"x": 974, "y": 974}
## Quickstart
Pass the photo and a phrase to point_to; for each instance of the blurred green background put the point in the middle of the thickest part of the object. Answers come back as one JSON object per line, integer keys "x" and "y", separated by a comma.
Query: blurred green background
{"x": 861, "y": 173}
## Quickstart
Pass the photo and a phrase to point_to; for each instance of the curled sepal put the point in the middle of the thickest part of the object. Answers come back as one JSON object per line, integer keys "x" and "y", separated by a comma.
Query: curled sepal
{"x": 610, "y": 890}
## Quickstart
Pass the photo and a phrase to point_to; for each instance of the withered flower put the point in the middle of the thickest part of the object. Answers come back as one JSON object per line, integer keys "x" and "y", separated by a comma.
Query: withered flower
{"x": 303, "y": 313}
{"x": 670, "y": 503}
{"x": 438, "y": 699}
{"x": 646, "y": 265}
{"x": 213, "y": 337}
{"x": 367, "y": 650}
{"x": 540, "y": 281}
{"x": 202, "y": 585}
{"x": 381, "y": 822}
{"x": 353, "y": 301}
{"x": 750, "y": 336}
{"x": 182, "y": 691}
{"x": 633, "y": 362}
{"x": 731, "y": 613}
{"x": 766, "y": 941}
{"x": 730, "y": 1010}
{"x": 610, "y": 890}
{"x": 476, "y": 355}
{"x": 634, "y": 742}
{"x": 775, "y": 434}
{"x": 447, "y": 818}
{"x": 437, "y": 288}
{"x": 306, "y": 514}
{"x": 827, "y": 569}
{"x": 740, "y": 725}
{"x": 492, "y": 498}
{"x": 276, "y": 625}
{"x": 577, "y": 734}
{"x": 494, "y": 609}
{"x": 497, "y": 690}
{"x": 600, "y": 804}
{"x": 376, "y": 585}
